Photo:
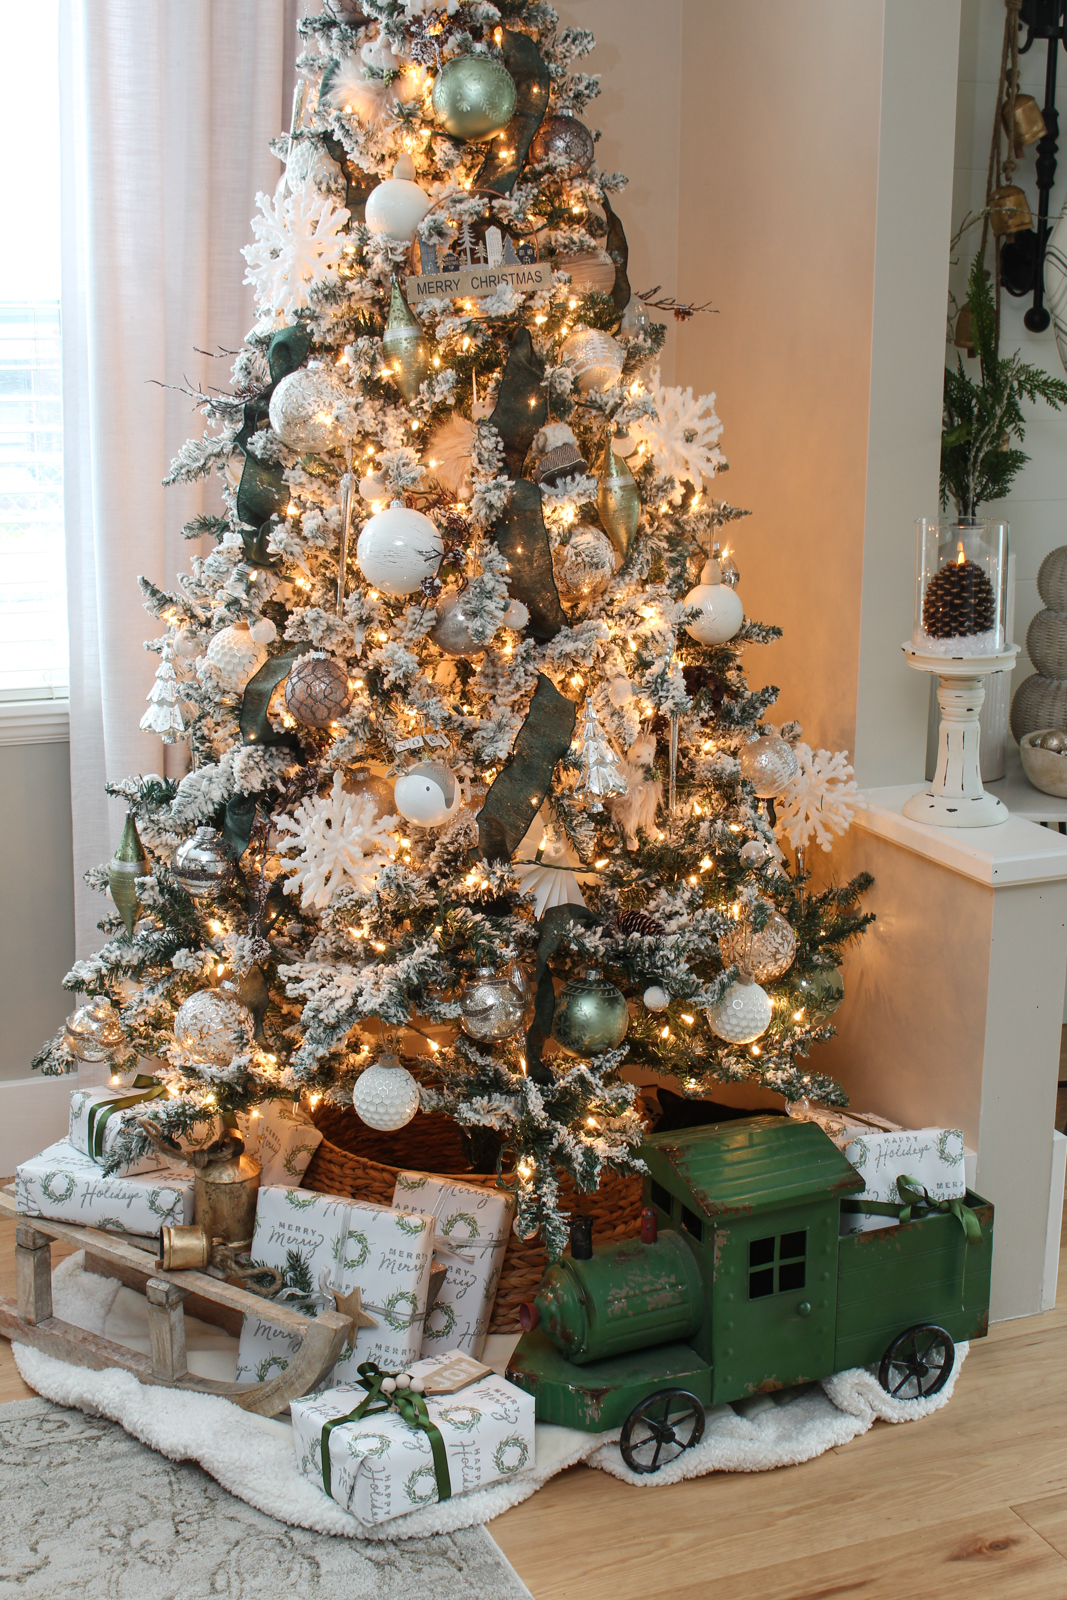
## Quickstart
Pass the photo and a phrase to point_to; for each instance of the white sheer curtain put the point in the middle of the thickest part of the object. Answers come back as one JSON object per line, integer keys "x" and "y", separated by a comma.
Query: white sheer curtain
{"x": 167, "y": 109}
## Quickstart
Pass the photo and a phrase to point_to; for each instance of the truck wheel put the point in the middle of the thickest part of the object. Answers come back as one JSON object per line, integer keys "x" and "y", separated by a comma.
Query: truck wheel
{"x": 917, "y": 1363}
{"x": 660, "y": 1428}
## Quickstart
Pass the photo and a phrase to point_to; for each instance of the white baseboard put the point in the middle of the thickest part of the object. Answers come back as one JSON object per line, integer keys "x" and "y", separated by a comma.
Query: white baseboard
{"x": 1055, "y": 1221}
{"x": 34, "y": 1112}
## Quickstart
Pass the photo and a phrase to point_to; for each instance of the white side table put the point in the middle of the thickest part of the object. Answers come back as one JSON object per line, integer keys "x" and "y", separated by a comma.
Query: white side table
{"x": 953, "y": 1008}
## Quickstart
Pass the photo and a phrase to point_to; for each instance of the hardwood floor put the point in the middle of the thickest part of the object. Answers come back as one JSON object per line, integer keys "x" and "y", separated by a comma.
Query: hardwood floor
{"x": 970, "y": 1504}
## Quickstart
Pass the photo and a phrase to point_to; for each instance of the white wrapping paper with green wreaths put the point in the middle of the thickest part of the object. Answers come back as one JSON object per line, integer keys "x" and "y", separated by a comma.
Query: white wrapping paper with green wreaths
{"x": 931, "y": 1157}
{"x": 67, "y": 1185}
{"x": 472, "y": 1228}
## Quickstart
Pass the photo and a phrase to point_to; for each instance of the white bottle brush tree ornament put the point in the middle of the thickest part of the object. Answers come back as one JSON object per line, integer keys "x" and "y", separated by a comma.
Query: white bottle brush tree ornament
{"x": 462, "y": 707}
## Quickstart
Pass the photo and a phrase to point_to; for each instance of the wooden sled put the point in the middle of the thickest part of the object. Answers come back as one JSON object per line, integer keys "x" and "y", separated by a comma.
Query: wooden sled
{"x": 168, "y": 1294}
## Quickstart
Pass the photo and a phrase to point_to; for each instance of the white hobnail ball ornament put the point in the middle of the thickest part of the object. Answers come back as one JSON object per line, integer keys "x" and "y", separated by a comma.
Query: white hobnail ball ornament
{"x": 303, "y": 407}
{"x": 516, "y": 616}
{"x": 743, "y": 1013}
{"x": 397, "y": 549}
{"x": 596, "y": 357}
{"x": 721, "y": 613}
{"x": 655, "y": 998}
{"x": 309, "y": 166}
{"x": 235, "y": 655}
{"x": 386, "y": 1096}
{"x": 397, "y": 206}
{"x": 428, "y": 794}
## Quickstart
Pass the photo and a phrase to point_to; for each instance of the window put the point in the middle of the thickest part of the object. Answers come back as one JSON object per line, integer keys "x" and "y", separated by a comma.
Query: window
{"x": 692, "y": 1224}
{"x": 660, "y": 1196}
{"x": 783, "y": 1256}
{"x": 33, "y": 602}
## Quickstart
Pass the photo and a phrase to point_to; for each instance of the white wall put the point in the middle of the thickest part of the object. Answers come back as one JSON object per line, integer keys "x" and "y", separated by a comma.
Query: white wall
{"x": 1037, "y": 506}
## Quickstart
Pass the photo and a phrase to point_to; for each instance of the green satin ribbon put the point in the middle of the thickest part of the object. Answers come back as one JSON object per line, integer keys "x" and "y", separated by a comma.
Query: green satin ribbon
{"x": 101, "y": 1114}
{"x": 410, "y": 1406}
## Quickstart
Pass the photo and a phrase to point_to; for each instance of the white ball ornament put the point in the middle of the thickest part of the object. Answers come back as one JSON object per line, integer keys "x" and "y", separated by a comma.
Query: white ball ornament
{"x": 235, "y": 655}
{"x": 516, "y": 616}
{"x": 388, "y": 1385}
{"x": 373, "y": 488}
{"x": 721, "y": 613}
{"x": 428, "y": 794}
{"x": 655, "y": 998}
{"x": 620, "y": 692}
{"x": 417, "y": 1385}
{"x": 397, "y": 205}
{"x": 303, "y": 407}
{"x": 264, "y": 631}
{"x": 743, "y": 1013}
{"x": 385, "y": 1096}
{"x": 397, "y": 549}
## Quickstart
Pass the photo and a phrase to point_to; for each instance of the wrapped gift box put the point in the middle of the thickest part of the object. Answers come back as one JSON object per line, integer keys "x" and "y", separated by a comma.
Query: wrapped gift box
{"x": 67, "y": 1185}
{"x": 283, "y": 1140}
{"x": 471, "y": 1229}
{"x": 382, "y": 1467}
{"x": 97, "y": 1117}
{"x": 385, "y": 1253}
{"x": 933, "y": 1157}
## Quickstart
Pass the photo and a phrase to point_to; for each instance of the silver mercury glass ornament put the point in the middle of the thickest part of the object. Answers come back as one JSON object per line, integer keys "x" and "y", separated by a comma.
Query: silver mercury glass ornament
{"x": 451, "y": 632}
{"x": 93, "y": 1032}
{"x": 769, "y": 765}
{"x": 492, "y": 1006}
{"x": 214, "y": 1025}
{"x": 203, "y": 865}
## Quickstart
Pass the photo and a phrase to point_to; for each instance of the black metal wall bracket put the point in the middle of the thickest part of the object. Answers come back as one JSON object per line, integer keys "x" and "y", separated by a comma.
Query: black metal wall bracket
{"x": 1022, "y": 255}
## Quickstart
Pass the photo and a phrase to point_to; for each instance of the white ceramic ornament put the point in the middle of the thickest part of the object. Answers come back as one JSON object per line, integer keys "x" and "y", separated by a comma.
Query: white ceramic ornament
{"x": 397, "y": 206}
{"x": 743, "y": 1014}
{"x": 397, "y": 549}
{"x": 427, "y": 794}
{"x": 655, "y": 998}
{"x": 721, "y": 613}
{"x": 302, "y": 409}
{"x": 235, "y": 655}
{"x": 516, "y": 616}
{"x": 386, "y": 1096}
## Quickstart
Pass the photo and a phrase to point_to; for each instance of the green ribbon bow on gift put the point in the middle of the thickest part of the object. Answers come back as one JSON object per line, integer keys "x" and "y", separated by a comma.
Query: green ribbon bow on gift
{"x": 411, "y": 1406}
{"x": 100, "y": 1115}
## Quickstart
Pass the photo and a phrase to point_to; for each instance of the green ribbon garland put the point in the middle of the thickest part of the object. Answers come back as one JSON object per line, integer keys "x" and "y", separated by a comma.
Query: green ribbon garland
{"x": 521, "y": 538}
{"x": 253, "y": 721}
{"x": 100, "y": 1115}
{"x": 916, "y": 1197}
{"x": 555, "y": 923}
{"x": 521, "y": 404}
{"x": 619, "y": 251}
{"x": 262, "y": 492}
{"x": 519, "y": 790}
{"x": 411, "y": 1407}
{"x": 532, "y": 83}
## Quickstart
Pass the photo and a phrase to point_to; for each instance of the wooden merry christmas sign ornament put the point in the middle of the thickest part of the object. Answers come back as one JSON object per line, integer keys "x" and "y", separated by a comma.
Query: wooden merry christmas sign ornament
{"x": 475, "y": 264}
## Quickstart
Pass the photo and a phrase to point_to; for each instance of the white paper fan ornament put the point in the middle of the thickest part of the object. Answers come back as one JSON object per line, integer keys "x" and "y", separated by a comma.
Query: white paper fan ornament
{"x": 544, "y": 866}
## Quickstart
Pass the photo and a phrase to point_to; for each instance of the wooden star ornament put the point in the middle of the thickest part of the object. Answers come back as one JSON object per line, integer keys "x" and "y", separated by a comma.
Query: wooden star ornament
{"x": 351, "y": 1305}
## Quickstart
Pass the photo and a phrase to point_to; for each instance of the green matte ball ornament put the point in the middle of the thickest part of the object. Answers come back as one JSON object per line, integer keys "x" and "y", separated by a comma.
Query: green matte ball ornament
{"x": 473, "y": 97}
{"x": 591, "y": 1015}
{"x": 127, "y": 865}
{"x": 820, "y": 993}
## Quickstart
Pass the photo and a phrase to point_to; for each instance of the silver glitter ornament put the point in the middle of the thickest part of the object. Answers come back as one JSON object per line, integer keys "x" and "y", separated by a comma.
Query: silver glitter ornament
{"x": 566, "y": 140}
{"x": 213, "y": 1025}
{"x": 302, "y": 410}
{"x": 451, "y": 632}
{"x": 386, "y": 1096}
{"x": 762, "y": 955}
{"x": 93, "y": 1032}
{"x": 584, "y": 566}
{"x": 317, "y": 690}
{"x": 492, "y": 1007}
{"x": 473, "y": 97}
{"x": 203, "y": 865}
{"x": 591, "y": 1015}
{"x": 769, "y": 765}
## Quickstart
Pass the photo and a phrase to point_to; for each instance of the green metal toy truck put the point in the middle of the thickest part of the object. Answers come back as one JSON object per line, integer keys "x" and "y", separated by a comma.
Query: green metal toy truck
{"x": 742, "y": 1283}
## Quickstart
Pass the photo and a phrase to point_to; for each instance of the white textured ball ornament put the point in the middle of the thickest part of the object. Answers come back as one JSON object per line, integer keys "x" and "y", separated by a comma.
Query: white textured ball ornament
{"x": 721, "y": 613}
{"x": 235, "y": 655}
{"x": 743, "y": 1014}
{"x": 427, "y": 794}
{"x": 397, "y": 206}
{"x": 397, "y": 549}
{"x": 302, "y": 410}
{"x": 655, "y": 998}
{"x": 596, "y": 357}
{"x": 386, "y": 1096}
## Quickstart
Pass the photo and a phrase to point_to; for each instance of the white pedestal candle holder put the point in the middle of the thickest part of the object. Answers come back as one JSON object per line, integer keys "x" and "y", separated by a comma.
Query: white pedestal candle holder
{"x": 956, "y": 798}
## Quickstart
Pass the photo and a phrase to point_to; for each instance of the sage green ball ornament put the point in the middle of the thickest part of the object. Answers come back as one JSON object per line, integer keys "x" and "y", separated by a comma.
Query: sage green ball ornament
{"x": 473, "y": 97}
{"x": 820, "y": 993}
{"x": 591, "y": 1015}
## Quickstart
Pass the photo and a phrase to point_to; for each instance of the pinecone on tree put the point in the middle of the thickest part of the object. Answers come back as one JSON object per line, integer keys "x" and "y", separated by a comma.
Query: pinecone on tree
{"x": 638, "y": 922}
{"x": 959, "y": 600}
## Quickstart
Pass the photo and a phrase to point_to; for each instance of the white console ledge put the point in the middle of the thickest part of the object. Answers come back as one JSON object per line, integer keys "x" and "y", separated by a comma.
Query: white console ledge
{"x": 953, "y": 1007}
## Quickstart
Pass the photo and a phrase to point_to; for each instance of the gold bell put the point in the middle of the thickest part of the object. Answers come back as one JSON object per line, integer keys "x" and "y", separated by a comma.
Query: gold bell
{"x": 182, "y": 1248}
{"x": 963, "y": 338}
{"x": 1029, "y": 123}
{"x": 1009, "y": 211}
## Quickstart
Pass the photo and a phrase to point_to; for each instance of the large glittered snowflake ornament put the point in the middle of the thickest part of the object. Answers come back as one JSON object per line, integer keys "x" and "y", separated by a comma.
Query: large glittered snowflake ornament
{"x": 682, "y": 435}
{"x": 820, "y": 801}
{"x": 342, "y": 844}
{"x": 299, "y": 240}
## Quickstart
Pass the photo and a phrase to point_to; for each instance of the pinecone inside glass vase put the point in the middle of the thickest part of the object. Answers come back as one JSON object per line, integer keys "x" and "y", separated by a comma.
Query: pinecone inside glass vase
{"x": 959, "y": 600}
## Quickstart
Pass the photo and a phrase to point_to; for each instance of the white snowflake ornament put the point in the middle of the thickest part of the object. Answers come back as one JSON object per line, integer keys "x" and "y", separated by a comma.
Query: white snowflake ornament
{"x": 342, "y": 844}
{"x": 682, "y": 435}
{"x": 299, "y": 239}
{"x": 821, "y": 799}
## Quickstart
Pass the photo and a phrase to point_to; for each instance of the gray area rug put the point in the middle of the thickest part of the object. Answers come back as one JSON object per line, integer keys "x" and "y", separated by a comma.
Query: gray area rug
{"x": 88, "y": 1511}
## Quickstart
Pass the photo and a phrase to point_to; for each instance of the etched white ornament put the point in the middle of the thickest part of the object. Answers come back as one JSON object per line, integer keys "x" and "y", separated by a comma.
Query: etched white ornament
{"x": 385, "y": 1096}
{"x": 303, "y": 409}
{"x": 763, "y": 955}
{"x": 769, "y": 764}
{"x": 428, "y": 794}
{"x": 595, "y": 356}
{"x": 584, "y": 566}
{"x": 743, "y": 1014}
{"x": 235, "y": 656}
{"x": 721, "y": 613}
{"x": 214, "y": 1025}
{"x": 397, "y": 549}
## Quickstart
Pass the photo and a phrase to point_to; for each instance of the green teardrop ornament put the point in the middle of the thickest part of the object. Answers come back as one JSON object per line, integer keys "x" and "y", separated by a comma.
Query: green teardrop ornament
{"x": 406, "y": 346}
{"x": 619, "y": 504}
{"x": 127, "y": 865}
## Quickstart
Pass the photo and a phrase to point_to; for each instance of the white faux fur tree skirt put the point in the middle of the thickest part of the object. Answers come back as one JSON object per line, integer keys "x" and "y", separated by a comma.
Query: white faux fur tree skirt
{"x": 253, "y": 1457}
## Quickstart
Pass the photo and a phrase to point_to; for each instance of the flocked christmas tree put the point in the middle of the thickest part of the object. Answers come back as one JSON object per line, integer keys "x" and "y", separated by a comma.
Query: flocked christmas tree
{"x": 478, "y": 789}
